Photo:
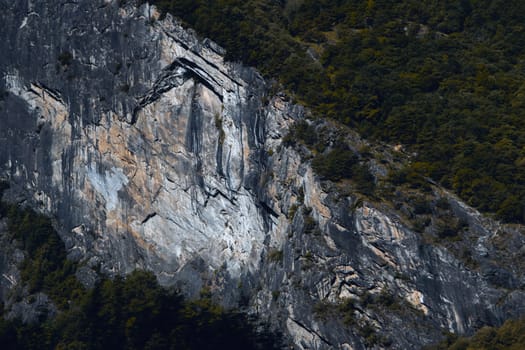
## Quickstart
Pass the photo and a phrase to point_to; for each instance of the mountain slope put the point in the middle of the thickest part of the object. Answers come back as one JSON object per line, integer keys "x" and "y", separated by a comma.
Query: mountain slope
{"x": 150, "y": 151}
{"x": 443, "y": 80}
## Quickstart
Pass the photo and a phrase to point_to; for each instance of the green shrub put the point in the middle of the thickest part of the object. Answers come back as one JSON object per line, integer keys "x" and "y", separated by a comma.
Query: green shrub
{"x": 347, "y": 308}
{"x": 337, "y": 164}
{"x": 292, "y": 210}
{"x": 421, "y": 206}
{"x": 450, "y": 228}
{"x": 275, "y": 255}
{"x": 363, "y": 179}
{"x": 443, "y": 203}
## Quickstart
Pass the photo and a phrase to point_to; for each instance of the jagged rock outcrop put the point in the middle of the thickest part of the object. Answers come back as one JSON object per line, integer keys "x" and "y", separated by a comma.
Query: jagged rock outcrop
{"x": 149, "y": 151}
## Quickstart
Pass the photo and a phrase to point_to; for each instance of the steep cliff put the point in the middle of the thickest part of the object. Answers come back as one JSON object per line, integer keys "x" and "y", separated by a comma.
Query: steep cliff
{"x": 149, "y": 151}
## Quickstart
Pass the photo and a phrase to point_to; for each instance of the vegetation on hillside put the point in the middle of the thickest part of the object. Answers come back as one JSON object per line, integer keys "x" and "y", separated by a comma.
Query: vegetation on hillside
{"x": 510, "y": 336}
{"x": 443, "y": 79}
{"x": 130, "y": 313}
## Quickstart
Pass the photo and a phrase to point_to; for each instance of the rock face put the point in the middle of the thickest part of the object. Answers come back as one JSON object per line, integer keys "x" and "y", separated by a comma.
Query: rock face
{"x": 151, "y": 152}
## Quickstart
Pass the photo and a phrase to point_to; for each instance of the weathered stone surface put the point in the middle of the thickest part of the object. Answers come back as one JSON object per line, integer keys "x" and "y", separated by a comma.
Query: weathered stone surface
{"x": 150, "y": 151}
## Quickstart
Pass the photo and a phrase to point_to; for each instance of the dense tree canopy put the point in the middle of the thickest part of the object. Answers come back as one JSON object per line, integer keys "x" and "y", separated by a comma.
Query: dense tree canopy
{"x": 510, "y": 336}
{"x": 445, "y": 79}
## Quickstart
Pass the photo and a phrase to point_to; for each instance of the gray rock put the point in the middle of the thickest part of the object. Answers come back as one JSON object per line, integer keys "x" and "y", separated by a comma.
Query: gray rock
{"x": 32, "y": 309}
{"x": 151, "y": 152}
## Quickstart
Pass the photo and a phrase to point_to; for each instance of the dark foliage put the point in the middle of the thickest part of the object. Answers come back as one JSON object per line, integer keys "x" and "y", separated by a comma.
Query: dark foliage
{"x": 510, "y": 336}
{"x": 65, "y": 58}
{"x": 336, "y": 164}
